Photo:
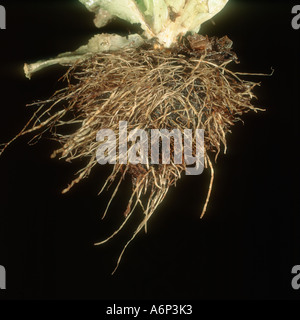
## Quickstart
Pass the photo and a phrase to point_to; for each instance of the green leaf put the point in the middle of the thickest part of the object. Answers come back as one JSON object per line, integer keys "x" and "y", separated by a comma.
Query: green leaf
{"x": 125, "y": 9}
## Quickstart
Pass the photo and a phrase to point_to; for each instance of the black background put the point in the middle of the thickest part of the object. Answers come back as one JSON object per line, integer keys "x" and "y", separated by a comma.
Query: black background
{"x": 248, "y": 242}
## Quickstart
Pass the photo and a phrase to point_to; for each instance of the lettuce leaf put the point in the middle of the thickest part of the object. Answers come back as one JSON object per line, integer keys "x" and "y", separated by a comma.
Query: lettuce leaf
{"x": 163, "y": 19}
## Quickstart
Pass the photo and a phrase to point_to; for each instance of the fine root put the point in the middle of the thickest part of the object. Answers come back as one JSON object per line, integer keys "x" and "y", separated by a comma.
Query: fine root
{"x": 186, "y": 87}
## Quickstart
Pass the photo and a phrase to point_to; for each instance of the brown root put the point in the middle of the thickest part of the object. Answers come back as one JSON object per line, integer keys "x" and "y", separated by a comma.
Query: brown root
{"x": 186, "y": 87}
